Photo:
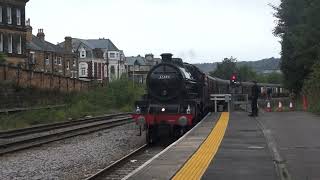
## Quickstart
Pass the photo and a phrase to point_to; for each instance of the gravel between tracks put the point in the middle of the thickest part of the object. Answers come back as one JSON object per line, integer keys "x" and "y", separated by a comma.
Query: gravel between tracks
{"x": 73, "y": 158}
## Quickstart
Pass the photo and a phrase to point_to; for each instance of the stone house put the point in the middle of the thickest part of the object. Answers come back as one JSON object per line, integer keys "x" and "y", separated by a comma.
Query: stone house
{"x": 139, "y": 66}
{"x": 13, "y": 31}
{"x": 46, "y": 57}
{"x": 99, "y": 59}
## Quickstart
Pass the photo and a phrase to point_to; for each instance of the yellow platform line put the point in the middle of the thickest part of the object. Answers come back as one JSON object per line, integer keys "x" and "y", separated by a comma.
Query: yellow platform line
{"x": 195, "y": 167}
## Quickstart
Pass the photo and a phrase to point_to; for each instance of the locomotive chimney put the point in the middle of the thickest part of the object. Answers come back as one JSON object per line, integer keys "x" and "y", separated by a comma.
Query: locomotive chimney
{"x": 166, "y": 57}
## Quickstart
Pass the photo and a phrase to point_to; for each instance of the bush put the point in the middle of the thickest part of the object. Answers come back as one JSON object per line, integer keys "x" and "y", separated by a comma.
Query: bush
{"x": 311, "y": 88}
{"x": 118, "y": 96}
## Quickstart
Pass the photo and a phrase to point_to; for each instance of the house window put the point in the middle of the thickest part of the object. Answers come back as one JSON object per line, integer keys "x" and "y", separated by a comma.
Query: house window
{"x": 73, "y": 74}
{"x": 59, "y": 61}
{"x": 74, "y": 63}
{"x": 83, "y": 71}
{"x": 112, "y": 55}
{"x": 112, "y": 70}
{"x": 56, "y": 60}
{"x": 32, "y": 58}
{"x": 47, "y": 61}
{"x": 68, "y": 65}
{"x": 19, "y": 49}
{"x": 1, "y": 42}
{"x": 9, "y": 18}
{"x": 10, "y": 44}
{"x": 83, "y": 53}
{"x": 0, "y": 14}
{"x": 18, "y": 17}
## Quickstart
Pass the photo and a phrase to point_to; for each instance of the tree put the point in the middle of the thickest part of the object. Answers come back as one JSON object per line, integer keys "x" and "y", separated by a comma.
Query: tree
{"x": 225, "y": 69}
{"x": 299, "y": 28}
{"x": 246, "y": 73}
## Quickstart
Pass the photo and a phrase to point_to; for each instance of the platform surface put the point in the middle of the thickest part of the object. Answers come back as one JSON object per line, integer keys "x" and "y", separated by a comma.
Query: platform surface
{"x": 245, "y": 152}
{"x": 297, "y": 135}
{"x": 168, "y": 163}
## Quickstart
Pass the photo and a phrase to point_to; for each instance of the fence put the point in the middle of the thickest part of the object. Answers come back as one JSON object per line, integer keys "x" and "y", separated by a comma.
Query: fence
{"x": 46, "y": 81}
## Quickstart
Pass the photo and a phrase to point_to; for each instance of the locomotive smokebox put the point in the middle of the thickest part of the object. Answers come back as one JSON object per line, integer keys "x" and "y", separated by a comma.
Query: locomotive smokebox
{"x": 166, "y": 57}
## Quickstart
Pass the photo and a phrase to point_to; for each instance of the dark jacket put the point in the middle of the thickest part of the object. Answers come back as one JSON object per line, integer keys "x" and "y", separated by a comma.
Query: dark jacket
{"x": 255, "y": 91}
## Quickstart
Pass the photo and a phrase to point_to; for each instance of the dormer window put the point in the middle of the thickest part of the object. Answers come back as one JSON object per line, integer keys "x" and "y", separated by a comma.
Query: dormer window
{"x": 9, "y": 17}
{"x": 18, "y": 17}
{"x": 82, "y": 53}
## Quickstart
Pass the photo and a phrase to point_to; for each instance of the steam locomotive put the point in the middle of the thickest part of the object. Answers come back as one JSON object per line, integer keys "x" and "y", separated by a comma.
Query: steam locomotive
{"x": 177, "y": 97}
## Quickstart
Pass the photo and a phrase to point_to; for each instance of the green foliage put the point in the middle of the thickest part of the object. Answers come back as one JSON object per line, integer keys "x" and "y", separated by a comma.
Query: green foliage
{"x": 311, "y": 88}
{"x": 244, "y": 72}
{"x": 118, "y": 96}
{"x": 273, "y": 78}
{"x": 225, "y": 69}
{"x": 299, "y": 28}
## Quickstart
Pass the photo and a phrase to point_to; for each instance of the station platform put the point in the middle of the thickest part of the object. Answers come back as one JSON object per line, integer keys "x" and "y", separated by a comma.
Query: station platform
{"x": 235, "y": 146}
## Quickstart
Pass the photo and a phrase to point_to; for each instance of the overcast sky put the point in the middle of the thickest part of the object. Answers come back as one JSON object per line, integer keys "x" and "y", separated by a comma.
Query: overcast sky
{"x": 197, "y": 31}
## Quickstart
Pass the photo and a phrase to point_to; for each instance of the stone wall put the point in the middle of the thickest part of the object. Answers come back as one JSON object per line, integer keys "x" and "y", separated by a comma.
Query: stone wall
{"x": 41, "y": 80}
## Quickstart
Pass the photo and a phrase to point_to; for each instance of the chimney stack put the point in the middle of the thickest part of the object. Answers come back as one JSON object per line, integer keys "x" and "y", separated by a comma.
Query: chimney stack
{"x": 68, "y": 44}
{"x": 166, "y": 57}
{"x": 40, "y": 34}
{"x": 29, "y": 31}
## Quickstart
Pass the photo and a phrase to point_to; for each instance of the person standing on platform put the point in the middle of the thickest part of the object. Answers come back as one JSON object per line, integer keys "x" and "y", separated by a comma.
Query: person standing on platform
{"x": 254, "y": 99}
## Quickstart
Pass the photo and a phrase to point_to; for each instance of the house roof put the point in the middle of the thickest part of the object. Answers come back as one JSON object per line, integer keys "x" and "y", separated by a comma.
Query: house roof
{"x": 37, "y": 44}
{"x": 138, "y": 60}
{"x": 93, "y": 44}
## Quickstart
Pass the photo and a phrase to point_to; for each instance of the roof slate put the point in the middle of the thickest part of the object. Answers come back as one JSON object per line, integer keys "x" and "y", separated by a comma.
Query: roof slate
{"x": 136, "y": 61}
{"x": 38, "y": 45}
{"x": 93, "y": 44}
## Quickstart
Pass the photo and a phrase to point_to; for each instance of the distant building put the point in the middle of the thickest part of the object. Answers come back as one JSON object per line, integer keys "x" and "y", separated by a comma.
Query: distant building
{"x": 13, "y": 31}
{"x": 138, "y": 67}
{"x": 49, "y": 58}
{"x": 99, "y": 59}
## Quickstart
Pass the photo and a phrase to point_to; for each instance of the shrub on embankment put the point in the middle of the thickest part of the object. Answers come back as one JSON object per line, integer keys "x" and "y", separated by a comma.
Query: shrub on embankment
{"x": 311, "y": 89}
{"x": 13, "y": 96}
{"x": 118, "y": 96}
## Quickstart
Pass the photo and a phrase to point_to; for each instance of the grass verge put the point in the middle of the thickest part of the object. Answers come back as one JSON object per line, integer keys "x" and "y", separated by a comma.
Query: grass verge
{"x": 118, "y": 96}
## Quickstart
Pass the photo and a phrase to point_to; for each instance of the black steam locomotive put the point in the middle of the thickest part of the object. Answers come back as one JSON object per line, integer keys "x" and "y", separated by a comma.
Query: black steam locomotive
{"x": 178, "y": 97}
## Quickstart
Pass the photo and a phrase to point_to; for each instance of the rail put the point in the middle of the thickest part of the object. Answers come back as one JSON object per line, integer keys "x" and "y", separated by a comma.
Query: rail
{"x": 19, "y": 139}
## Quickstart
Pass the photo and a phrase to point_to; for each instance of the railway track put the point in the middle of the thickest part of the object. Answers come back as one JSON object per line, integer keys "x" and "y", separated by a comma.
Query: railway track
{"x": 128, "y": 163}
{"x": 19, "y": 139}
